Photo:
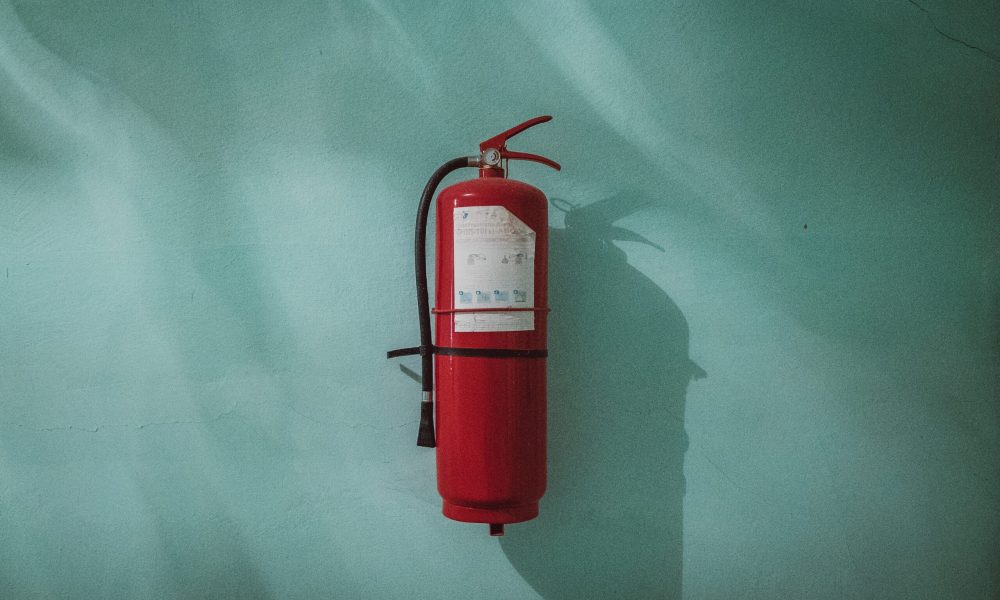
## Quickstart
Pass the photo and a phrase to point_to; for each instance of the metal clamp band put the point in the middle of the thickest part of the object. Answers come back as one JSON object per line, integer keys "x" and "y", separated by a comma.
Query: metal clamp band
{"x": 445, "y": 311}
{"x": 469, "y": 352}
{"x": 491, "y": 352}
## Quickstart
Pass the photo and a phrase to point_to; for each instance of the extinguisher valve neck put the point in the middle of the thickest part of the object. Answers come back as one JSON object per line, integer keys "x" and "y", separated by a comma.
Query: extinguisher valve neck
{"x": 489, "y": 157}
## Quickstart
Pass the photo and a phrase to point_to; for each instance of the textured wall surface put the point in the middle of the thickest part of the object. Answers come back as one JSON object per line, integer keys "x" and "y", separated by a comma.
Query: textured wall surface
{"x": 775, "y": 292}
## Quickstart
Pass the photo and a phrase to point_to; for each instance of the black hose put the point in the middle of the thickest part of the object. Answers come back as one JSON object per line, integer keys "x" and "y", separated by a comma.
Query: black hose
{"x": 425, "y": 436}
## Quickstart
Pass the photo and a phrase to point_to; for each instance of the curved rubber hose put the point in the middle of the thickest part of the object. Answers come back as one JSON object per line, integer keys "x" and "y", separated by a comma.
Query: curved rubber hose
{"x": 425, "y": 436}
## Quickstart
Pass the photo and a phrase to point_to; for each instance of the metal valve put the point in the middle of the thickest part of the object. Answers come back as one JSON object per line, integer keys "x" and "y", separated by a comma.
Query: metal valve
{"x": 494, "y": 151}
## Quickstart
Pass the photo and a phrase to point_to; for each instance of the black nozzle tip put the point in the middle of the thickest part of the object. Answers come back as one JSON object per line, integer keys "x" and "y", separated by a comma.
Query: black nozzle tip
{"x": 496, "y": 529}
{"x": 425, "y": 436}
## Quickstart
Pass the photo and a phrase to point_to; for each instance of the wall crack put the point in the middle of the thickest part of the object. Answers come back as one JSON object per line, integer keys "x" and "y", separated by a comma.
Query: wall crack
{"x": 139, "y": 427}
{"x": 930, "y": 19}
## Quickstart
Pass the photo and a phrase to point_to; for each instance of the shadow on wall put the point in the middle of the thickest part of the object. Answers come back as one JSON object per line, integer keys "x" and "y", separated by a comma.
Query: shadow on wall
{"x": 205, "y": 558}
{"x": 618, "y": 370}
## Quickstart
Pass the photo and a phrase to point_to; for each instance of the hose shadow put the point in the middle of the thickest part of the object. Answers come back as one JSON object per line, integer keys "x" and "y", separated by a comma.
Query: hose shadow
{"x": 618, "y": 370}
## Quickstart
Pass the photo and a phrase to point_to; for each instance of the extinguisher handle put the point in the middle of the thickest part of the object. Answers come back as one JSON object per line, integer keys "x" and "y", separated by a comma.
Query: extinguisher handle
{"x": 494, "y": 150}
{"x": 532, "y": 157}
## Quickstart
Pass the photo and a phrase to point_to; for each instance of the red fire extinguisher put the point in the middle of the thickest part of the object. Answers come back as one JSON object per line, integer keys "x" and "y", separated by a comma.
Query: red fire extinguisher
{"x": 488, "y": 360}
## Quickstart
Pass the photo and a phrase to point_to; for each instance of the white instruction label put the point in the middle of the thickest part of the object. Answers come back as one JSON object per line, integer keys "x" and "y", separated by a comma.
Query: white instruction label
{"x": 494, "y": 268}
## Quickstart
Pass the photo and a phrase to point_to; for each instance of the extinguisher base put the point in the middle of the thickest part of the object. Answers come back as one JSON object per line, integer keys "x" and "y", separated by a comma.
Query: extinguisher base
{"x": 497, "y": 515}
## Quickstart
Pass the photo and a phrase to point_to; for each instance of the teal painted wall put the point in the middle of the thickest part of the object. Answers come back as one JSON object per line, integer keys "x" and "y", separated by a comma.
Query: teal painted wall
{"x": 205, "y": 224}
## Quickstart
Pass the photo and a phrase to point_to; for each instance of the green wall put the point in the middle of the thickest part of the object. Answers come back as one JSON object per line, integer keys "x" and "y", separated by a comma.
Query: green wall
{"x": 775, "y": 291}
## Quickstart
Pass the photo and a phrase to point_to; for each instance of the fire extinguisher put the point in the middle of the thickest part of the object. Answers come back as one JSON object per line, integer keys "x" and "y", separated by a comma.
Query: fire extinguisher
{"x": 487, "y": 362}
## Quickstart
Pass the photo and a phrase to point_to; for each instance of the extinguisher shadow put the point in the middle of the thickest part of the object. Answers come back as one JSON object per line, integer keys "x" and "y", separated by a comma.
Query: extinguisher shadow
{"x": 611, "y": 521}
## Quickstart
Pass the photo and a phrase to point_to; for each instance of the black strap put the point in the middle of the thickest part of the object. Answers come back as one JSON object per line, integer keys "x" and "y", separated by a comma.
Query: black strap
{"x": 403, "y": 352}
{"x": 491, "y": 352}
{"x": 469, "y": 352}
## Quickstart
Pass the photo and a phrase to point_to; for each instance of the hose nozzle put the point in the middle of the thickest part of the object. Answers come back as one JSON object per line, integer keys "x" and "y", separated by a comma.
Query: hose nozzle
{"x": 425, "y": 436}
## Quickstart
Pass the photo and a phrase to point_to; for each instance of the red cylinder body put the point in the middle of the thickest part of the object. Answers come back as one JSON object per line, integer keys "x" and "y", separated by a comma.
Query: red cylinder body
{"x": 490, "y": 411}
